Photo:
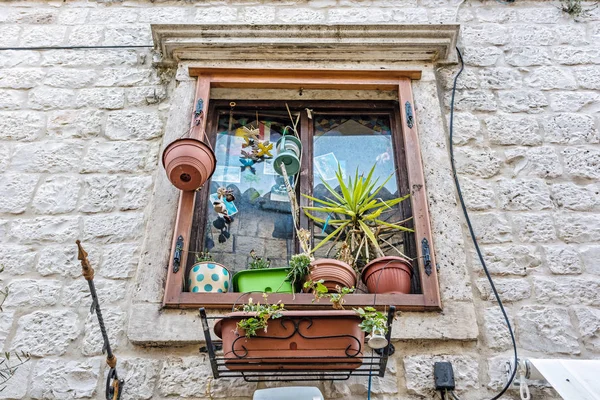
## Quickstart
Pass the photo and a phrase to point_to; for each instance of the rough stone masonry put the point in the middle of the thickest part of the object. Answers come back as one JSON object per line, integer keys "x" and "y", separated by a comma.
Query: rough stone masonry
{"x": 80, "y": 132}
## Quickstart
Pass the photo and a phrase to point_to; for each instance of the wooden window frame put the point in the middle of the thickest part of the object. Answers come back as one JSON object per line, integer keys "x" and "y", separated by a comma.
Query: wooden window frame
{"x": 208, "y": 78}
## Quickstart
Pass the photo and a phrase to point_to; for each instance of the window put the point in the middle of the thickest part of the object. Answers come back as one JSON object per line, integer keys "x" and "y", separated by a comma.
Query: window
{"x": 356, "y": 134}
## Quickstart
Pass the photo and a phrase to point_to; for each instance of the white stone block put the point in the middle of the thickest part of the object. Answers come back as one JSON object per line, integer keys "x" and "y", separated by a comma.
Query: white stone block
{"x": 298, "y": 15}
{"x": 16, "y": 388}
{"x": 105, "y": 98}
{"x": 225, "y": 14}
{"x": 113, "y": 228}
{"x": 548, "y": 78}
{"x": 591, "y": 258}
{"x": 78, "y": 294}
{"x": 481, "y": 34}
{"x": 101, "y": 193}
{"x": 21, "y": 78}
{"x": 538, "y": 161}
{"x": 589, "y": 326}
{"x": 19, "y": 58}
{"x": 259, "y": 15}
{"x": 119, "y": 261}
{"x": 46, "y": 333}
{"x": 481, "y": 162}
{"x": 510, "y": 259}
{"x": 524, "y": 195}
{"x": 529, "y": 101}
{"x": 572, "y": 101}
{"x": 532, "y": 35}
{"x": 473, "y": 100}
{"x": 93, "y": 342}
{"x": 570, "y": 128}
{"x": 495, "y": 329}
{"x": 141, "y": 374}
{"x": 491, "y": 228}
{"x": 568, "y": 291}
{"x": 62, "y": 380}
{"x": 164, "y": 15}
{"x": 128, "y": 77}
{"x": 9, "y": 35}
{"x": 481, "y": 56}
{"x": 70, "y": 124}
{"x": 467, "y": 128}
{"x": 510, "y": 290}
{"x": 588, "y": 77}
{"x": 89, "y": 58}
{"x": 21, "y": 125}
{"x": 575, "y": 197}
{"x": 113, "y": 15}
{"x": 359, "y": 386}
{"x": 12, "y": 99}
{"x": 513, "y": 130}
{"x": 146, "y": 95}
{"x": 534, "y": 228}
{"x": 62, "y": 260}
{"x": 582, "y": 162}
{"x": 38, "y": 36}
{"x": 527, "y": 56}
{"x": 133, "y": 125}
{"x": 25, "y": 293}
{"x": 57, "y": 195}
{"x": 118, "y": 157}
{"x": 418, "y": 372}
{"x": 52, "y": 229}
{"x": 136, "y": 192}
{"x": 17, "y": 191}
{"x": 52, "y": 157}
{"x": 86, "y": 35}
{"x": 500, "y": 78}
{"x": 128, "y": 35}
{"x": 562, "y": 260}
{"x": 46, "y": 98}
{"x": 6, "y": 321}
{"x": 547, "y": 330}
{"x": 571, "y": 55}
{"x": 69, "y": 78}
{"x": 546, "y": 15}
{"x": 578, "y": 227}
{"x": 478, "y": 194}
{"x": 17, "y": 259}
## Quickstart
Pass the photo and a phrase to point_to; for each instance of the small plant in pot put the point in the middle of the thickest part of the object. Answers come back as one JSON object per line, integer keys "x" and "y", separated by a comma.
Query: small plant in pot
{"x": 320, "y": 291}
{"x": 260, "y": 277}
{"x": 373, "y": 323}
{"x": 208, "y": 276}
{"x": 358, "y": 224}
{"x": 299, "y": 269}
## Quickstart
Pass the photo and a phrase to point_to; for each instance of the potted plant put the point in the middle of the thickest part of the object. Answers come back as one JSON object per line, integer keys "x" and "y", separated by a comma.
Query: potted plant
{"x": 208, "y": 276}
{"x": 373, "y": 323}
{"x": 320, "y": 290}
{"x": 356, "y": 216}
{"x": 189, "y": 163}
{"x": 299, "y": 268}
{"x": 259, "y": 277}
{"x": 269, "y": 337}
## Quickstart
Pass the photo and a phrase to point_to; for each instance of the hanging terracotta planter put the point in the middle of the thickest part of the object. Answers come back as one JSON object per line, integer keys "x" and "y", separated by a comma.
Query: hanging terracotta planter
{"x": 299, "y": 340}
{"x": 333, "y": 273}
{"x": 388, "y": 274}
{"x": 189, "y": 163}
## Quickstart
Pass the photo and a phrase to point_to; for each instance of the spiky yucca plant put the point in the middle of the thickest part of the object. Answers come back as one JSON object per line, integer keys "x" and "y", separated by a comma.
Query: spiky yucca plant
{"x": 356, "y": 215}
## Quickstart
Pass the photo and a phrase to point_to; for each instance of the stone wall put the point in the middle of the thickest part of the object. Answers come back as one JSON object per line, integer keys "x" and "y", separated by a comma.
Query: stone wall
{"x": 80, "y": 132}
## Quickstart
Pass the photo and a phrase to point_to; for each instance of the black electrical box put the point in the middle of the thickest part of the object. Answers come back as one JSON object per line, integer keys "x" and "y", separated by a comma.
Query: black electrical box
{"x": 444, "y": 376}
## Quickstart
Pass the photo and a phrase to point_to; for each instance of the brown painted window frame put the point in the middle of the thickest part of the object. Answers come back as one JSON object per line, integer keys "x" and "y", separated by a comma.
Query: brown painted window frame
{"x": 208, "y": 78}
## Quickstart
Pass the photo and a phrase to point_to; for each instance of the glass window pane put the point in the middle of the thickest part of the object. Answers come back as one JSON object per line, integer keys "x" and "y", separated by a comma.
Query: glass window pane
{"x": 355, "y": 143}
{"x": 259, "y": 218}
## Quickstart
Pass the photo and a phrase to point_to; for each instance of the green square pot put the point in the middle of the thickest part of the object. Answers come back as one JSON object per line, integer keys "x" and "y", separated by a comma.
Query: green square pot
{"x": 268, "y": 280}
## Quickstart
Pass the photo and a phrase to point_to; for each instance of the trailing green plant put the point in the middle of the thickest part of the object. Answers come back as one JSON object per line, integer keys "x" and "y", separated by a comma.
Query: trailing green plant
{"x": 203, "y": 256}
{"x": 263, "y": 313}
{"x": 372, "y": 320}
{"x": 11, "y": 361}
{"x": 357, "y": 215}
{"x": 575, "y": 7}
{"x": 258, "y": 262}
{"x": 299, "y": 269}
{"x": 320, "y": 291}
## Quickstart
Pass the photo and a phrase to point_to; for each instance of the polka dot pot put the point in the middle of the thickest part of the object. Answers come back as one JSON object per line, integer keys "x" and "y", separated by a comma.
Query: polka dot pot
{"x": 208, "y": 277}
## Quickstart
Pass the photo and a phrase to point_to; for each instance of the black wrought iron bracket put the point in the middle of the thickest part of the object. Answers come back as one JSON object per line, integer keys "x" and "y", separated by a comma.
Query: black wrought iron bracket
{"x": 426, "y": 255}
{"x": 410, "y": 120}
{"x": 325, "y": 368}
{"x": 177, "y": 255}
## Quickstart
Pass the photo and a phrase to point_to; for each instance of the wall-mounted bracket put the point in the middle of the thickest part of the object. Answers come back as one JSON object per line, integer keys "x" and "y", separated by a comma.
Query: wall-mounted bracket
{"x": 410, "y": 120}
{"x": 177, "y": 255}
{"x": 426, "y": 255}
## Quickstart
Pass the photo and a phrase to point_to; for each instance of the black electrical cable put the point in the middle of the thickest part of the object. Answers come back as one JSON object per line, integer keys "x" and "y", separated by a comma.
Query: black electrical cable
{"x": 466, "y": 214}
{"x": 76, "y": 47}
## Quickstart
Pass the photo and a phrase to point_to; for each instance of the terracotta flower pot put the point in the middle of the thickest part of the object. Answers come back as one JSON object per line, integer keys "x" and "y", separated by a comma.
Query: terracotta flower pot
{"x": 189, "y": 163}
{"x": 300, "y": 340}
{"x": 333, "y": 273}
{"x": 388, "y": 275}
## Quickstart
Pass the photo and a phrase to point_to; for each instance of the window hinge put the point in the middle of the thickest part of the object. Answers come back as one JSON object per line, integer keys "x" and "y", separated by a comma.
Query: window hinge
{"x": 177, "y": 255}
{"x": 426, "y": 255}
{"x": 410, "y": 121}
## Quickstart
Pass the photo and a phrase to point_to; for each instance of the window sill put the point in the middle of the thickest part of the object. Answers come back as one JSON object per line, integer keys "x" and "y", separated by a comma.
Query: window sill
{"x": 403, "y": 302}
